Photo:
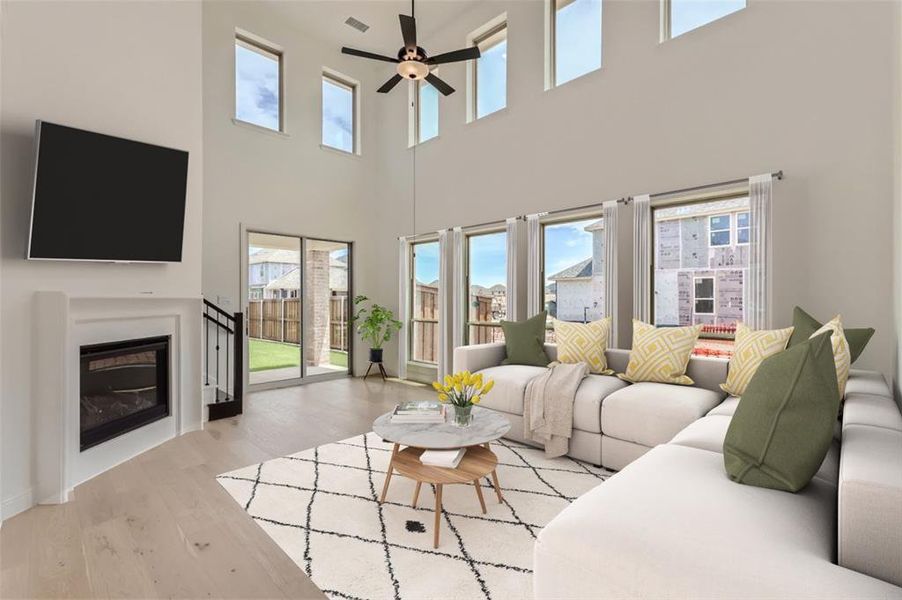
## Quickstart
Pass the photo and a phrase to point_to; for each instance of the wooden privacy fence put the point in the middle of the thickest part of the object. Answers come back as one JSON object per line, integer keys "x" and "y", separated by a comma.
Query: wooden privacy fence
{"x": 279, "y": 320}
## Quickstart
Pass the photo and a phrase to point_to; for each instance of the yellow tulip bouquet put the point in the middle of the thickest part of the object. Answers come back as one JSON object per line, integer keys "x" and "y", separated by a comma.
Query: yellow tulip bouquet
{"x": 462, "y": 390}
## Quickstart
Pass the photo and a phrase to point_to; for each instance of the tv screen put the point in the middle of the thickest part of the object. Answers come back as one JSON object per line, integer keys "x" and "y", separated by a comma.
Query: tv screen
{"x": 103, "y": 198}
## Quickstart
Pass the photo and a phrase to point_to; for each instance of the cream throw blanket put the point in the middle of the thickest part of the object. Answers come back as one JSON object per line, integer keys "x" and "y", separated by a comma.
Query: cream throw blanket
{"x": 548, "y": 406}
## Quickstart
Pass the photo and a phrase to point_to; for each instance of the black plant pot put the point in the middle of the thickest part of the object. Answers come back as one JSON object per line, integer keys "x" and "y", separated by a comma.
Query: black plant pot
{"x": 375, "y": 355}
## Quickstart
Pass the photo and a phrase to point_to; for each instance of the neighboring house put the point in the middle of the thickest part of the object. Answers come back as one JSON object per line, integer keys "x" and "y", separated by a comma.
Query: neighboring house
{"x": 287, "y": 285}
{"x": 265, "y": 266}
{"x": 701, "y": 256}
{"x": 579, "y": 289}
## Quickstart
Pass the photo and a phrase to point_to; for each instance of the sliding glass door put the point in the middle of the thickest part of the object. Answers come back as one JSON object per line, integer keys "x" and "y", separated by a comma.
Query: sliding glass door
{"x": 297, "y": 294}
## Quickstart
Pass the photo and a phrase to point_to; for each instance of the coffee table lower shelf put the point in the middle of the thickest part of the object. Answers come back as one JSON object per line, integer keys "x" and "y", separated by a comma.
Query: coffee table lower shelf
{"x": 478, "y": 462}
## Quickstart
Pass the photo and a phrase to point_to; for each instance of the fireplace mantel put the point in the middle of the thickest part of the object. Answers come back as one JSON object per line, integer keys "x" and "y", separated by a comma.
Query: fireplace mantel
{"x": 62, "y": 324}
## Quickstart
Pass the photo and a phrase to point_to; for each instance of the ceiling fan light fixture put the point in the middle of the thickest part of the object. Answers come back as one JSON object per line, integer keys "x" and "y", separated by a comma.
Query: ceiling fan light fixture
{"x": 412, "y": 69}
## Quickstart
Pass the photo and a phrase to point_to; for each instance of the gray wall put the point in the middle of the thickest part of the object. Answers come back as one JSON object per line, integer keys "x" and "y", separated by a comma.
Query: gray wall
{"x": 126, "y": 69}
{"x": 805, "y": 87}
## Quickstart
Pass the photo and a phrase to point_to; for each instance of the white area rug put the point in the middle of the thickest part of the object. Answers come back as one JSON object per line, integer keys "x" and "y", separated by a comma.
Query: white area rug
{"x": 320, "y": 506}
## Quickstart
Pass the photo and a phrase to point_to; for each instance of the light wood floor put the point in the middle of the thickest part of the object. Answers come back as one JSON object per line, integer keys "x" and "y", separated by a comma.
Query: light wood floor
{"x": 160, "y": 525}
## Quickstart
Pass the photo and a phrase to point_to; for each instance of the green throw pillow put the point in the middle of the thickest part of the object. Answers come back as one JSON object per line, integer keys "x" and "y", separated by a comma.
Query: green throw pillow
{"x": 783, "y": 426}
{"x": 805, "y": 325}
{"x": 525, "y": 341}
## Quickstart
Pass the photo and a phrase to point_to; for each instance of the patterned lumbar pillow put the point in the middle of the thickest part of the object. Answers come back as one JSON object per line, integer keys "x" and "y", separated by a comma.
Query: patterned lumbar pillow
{"x": 750, "y": 349}
{"x": 783, "y": 426}
{"x": 842, "y": 358}
{"x": 660, "y": 354}
{"x": 584, "y": 342}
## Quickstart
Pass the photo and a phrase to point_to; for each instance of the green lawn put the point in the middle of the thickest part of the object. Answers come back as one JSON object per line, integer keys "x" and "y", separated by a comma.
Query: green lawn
{"x": 266, "y": 355}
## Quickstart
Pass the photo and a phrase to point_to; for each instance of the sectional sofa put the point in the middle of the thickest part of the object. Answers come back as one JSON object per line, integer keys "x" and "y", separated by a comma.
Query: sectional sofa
{"x": 670, "y": 524}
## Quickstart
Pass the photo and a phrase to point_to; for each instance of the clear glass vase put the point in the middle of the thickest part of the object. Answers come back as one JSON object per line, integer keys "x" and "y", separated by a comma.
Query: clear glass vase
{"x": 463, "y": 415}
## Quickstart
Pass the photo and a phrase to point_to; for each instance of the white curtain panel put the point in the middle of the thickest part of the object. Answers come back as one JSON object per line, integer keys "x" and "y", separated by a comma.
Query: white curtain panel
{"x": 445, "y": 279}
{"x": 611, "y": 223}
{"x": 642, "y": 258}
{"x": 458, "y": 291}
{"x": 535, "y": 297}
{"x": 757, "y": 288}
{"x": 512, "y": 284}
{"x": 403, "y": 304}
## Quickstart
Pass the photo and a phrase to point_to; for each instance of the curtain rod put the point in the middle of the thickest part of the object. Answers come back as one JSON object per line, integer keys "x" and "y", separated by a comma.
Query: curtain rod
{"x": 776, "y": 175}
{"x": 474, "y": 226}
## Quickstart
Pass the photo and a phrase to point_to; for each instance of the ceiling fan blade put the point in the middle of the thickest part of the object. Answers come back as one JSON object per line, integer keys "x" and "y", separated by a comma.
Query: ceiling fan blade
{"x": 409, "y": 32}
{"x": 388, "y": 85}
{"x": 454, "y": 56}
{"x": 440, "y": 85}
{"x": 365, "y": 54}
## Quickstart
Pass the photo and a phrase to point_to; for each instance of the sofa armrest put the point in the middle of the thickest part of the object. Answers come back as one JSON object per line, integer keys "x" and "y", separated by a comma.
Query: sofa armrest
{"x": 478, "y": 357}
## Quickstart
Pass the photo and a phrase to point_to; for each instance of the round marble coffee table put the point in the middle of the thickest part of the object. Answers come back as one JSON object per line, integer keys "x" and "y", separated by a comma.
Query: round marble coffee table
{"x": 478, "y": 462}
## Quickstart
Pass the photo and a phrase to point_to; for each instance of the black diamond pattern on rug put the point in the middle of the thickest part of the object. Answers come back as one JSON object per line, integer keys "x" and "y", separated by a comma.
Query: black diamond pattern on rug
{"x": 321, "y": 507}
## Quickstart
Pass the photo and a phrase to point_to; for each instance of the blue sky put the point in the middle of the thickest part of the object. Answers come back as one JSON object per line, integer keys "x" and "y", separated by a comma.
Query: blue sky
{"x": 577, "y": 42}
{"x": 426, "y": 263}
{"x": 687, "y": 15}
{"x": 338, "y": 116}
{"x": 428, "y": 111}
{"x": 488, "y": 259}
{"x": 491, "y": 80}
{"x": 565, "y": 245}
{"x": 256, "y": 88}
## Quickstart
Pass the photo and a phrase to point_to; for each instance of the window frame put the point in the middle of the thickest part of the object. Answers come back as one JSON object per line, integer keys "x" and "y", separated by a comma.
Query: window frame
{"x": 728, "y": 229}
{"x": 666, "y": 33}
{"x": 411, "y": 298}
{"x": 695, "y": 298}
{"x": 352, "y": 85}
{"x": 266, "y": 49}
{"x": 491, "y": 37}
{"x": 468, "y": 236}
{"x": 551, "y": 9}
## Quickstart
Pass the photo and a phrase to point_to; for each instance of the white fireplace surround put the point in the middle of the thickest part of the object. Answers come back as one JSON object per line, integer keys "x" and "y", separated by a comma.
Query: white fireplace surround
{"x": 63, "y": 324}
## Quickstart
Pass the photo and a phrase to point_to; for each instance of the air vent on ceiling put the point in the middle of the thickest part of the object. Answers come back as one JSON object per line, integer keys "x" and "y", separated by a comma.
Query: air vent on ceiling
{"x": 358, "y": 25}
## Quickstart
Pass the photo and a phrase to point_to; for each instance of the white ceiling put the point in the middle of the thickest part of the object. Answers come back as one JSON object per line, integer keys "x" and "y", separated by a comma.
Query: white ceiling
{"x": 327, "y": 19}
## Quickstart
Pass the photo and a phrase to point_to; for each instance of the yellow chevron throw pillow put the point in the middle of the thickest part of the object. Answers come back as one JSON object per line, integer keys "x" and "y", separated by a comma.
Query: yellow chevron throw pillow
{"x": 584, "y": 342}
{"x": 750, "y": 349}
{"x": 842, "y": 356}
{"x": 660, "y": 354}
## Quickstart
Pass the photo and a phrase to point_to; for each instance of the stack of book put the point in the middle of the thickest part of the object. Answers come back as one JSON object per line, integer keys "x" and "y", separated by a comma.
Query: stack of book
{"x": 443, "y": 458}
{"x": 419, "y": 411}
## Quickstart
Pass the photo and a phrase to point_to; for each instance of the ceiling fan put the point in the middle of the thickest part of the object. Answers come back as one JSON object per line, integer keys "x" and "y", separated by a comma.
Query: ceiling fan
{"x": 413, "y": 61}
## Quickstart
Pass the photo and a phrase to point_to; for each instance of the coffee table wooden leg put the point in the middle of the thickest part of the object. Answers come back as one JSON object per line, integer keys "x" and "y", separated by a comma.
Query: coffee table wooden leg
{"x": 388, "y": 472}
{"x": 416, "y": 494}
{"x": 497, "y": 486}
{"x": 438, "y": 512}
{"x": 478, "y": 487}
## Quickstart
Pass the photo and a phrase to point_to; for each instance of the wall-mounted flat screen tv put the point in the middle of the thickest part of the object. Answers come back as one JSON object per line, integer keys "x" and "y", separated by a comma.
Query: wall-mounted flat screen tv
{"x": 103, "y": 198}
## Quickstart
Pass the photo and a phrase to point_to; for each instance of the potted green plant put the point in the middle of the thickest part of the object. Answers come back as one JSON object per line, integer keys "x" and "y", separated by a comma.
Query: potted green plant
{"x": 376, "y": 325}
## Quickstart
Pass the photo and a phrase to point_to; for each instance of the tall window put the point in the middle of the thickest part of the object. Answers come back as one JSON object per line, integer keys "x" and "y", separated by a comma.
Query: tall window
{"x": 573, "y": 266}
{"x": 486, "y": 286}
{"x": 426, "y": 111}
{"x": 339, "y": 108}
{"x": 425, "y": 302}
{"x": 700, "y": 266}
{"x": 681, "y": 16}
{"x": 258, "y": 84}
{"x": 575, "y": 30}
{"x": 490, "y": 72}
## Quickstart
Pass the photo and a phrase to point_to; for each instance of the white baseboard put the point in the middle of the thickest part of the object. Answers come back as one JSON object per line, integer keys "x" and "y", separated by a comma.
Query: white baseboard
{"x": 10, "y": 507}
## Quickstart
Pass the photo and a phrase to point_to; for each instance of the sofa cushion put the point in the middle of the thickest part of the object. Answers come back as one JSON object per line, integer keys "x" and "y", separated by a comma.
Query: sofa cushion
{"x": 867, "y": 382}
{"x": 672, "y": 525}
{"x": 725, "y": 408}
{"x": 587, "y": 403}
{"x": 752, "y": 347}
{"x": 709, "y": 432}
{"x": 584, "y": 342}
{"x": 510, "y": 386}
{"x": 652, "y": 413}
{"x": 866, "y": 409}
{"x": 804, "y": 325}
{"x": 524, "y": 341}
{"x": 660, "y": 354}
